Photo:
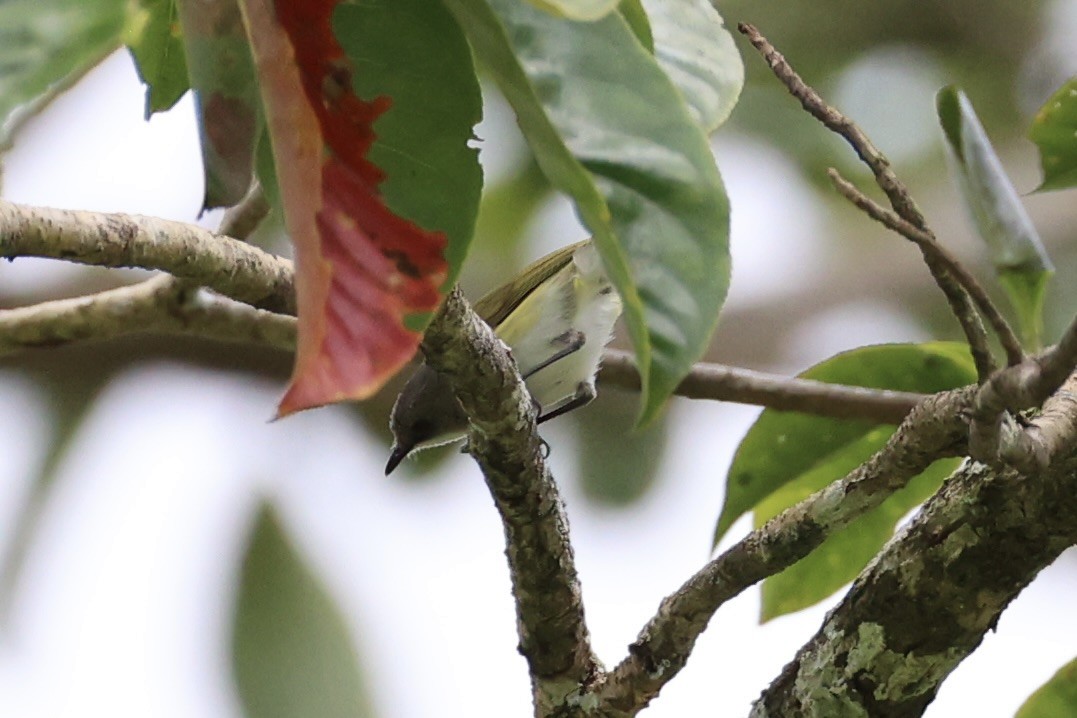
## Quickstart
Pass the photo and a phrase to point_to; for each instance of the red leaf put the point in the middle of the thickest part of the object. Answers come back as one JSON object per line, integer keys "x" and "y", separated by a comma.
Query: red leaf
{"x": 360, "y": 268}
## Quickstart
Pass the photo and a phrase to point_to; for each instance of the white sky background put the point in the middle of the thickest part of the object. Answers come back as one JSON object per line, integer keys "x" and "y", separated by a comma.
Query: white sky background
{"x": 124, "y": 608}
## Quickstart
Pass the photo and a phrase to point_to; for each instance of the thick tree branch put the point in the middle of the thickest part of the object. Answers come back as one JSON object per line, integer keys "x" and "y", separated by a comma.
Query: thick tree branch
{"x": 927, "y": 600}
{"x": 744, "y": 386}
{"x": 504, "y": 441}
{"x": 936, "y": 428}
{"x": 941, "y": 264}
{"x": 227, "y": 266}
{"x": 160, "y": 304}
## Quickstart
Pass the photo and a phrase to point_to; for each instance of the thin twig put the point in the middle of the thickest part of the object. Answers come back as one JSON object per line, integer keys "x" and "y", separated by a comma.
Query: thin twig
{"x": 744, "y": 386}
{"x": 901, "y": 200}
{"x": 927, "y": 243}
{"x": 936, "y": 428}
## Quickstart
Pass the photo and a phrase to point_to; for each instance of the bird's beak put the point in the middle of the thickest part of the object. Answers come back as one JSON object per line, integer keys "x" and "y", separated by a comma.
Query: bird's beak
{"x": 395, "y": 457}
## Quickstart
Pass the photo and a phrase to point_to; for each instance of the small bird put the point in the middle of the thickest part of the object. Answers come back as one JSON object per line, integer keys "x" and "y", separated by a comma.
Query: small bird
{"x": 556, "y": 316}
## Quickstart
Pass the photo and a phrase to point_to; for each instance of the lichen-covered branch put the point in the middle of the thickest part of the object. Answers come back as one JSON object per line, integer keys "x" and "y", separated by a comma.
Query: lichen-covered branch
{"x": 503, "y": 440}
{"x": 995, "y": 434}
{"x": 927, "y": 600}
{"x": 744, "y": 386}
{"x": 160, "y": 304}
{"x": 936, "y": 428}
{"x": 230, "y": 267}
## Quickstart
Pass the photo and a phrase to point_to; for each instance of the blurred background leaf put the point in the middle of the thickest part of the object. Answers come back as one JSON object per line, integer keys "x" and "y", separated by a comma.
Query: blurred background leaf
{"x": 47, "y": 45}
{"x": 156, "y": 41}
{"x": 293, "y": 654}
{"x": 1057, "y": 697}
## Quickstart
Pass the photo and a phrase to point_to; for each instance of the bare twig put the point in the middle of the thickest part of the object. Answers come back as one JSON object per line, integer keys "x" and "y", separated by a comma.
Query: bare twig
{"x": 240, "y": 221}
{"x": 744, "y": 386}
{"x": 949, "y": 281}
{"x": 228, "y": 266}
{"x": 927, "y": 243}
{"x": 549, "y": 608}
{"x": 936, "y": 428}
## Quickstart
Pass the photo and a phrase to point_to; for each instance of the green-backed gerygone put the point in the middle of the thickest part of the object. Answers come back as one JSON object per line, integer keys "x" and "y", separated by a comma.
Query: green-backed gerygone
{"x": 556, "y": 315}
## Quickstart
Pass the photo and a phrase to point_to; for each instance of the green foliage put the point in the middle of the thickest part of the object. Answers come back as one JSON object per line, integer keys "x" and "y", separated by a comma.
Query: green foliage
{"x": 229, "y": 109}
{"x": 156, "y": 41}
{"x": 698, "y": 54}
{"x": 577, "y": 9}
{"x": 612, "y": 471}
{"x": 1054, "y": 130}
{"x": 1055, "y": 698}
{"x": 1017, "y": 253}
{"x": 45, "y": 45}
{"x": 413, "y": 52}
{"x": 291, "y": 649}
{"x": 610, "y": 130}
{"x": 783, "y": 447}
{"x": 786, "y": 457}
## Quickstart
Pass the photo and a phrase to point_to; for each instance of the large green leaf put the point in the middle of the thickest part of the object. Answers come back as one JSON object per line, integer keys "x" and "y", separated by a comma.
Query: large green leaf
{"x": 1055, "y": 698}
{"x": 1016, "y": 250}
{"x": 1054, "y": 130}
{"x": 782, "y": 446}
{"x": 609, "y": 129}
{"x": 413, "y": 52}
{"x": 577, "y": 9}
{"x": 156, "y": 41}
{"x": 47, "y": 44}
{"x": 292, "y": 651}
{"x": 696, "y": 50}
{"x": 229, "y": 109}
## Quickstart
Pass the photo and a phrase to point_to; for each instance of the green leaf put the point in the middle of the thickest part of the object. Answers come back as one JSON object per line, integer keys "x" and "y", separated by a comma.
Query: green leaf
{"x": 1016, "y": 250}
{"x": 413, "y": 52}
{"x": 292, "y": 652}
{"x": 156, "y": 41}
{"x": 696, "y": 50}
{"x": 636, "y": 17}
{"x": 1054, "y": 130}
{"x": 783, "y": 446}
{"x": 45, "y": 46}
{"x": 614, "y": 472}
{"x": 843, "y": 555}
{"x": 577, "y": 9}
{"x": 226, "y": 93}
{"x": 1057, "y": 697}
{"x": 610, "y": 130}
